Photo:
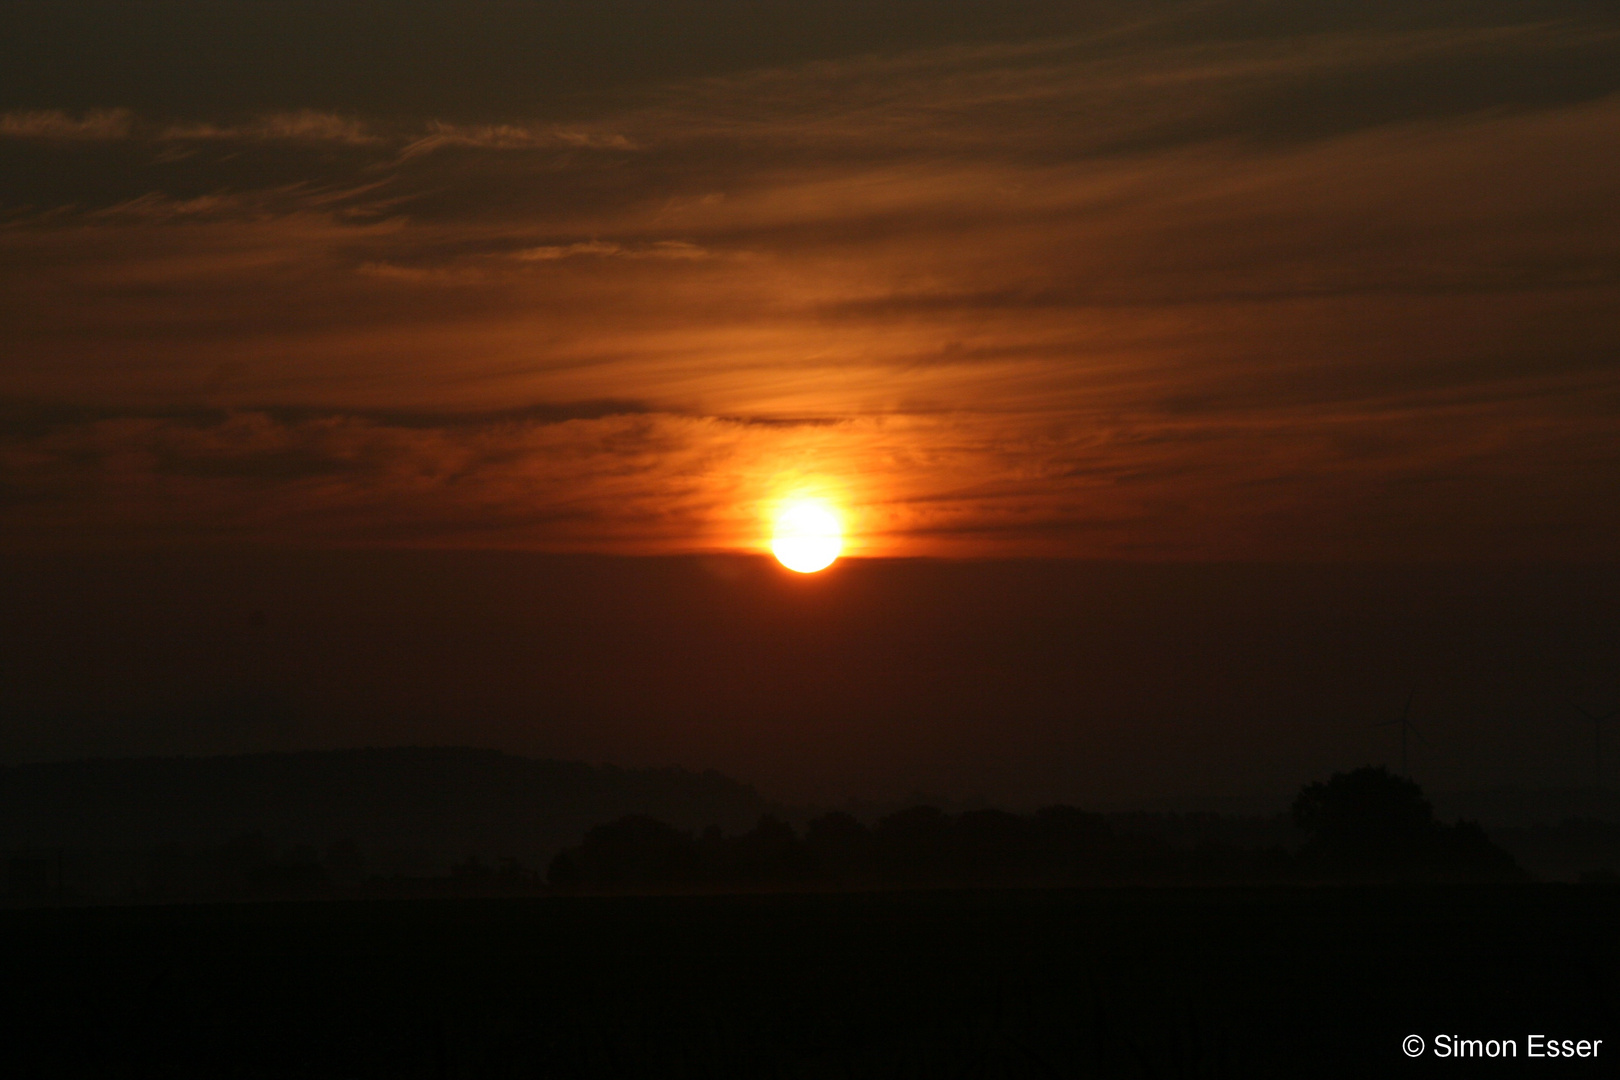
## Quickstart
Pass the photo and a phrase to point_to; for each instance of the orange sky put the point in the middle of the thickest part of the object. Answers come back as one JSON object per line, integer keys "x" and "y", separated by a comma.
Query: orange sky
{"x": 1194, "y": 281}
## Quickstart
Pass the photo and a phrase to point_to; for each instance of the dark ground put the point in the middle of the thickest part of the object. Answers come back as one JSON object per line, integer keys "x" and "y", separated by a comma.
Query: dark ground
{"x": 1013, "y": 983}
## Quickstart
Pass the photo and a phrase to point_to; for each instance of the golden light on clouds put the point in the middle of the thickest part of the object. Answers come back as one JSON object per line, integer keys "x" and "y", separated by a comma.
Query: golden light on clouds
{"x": 807, "y": 535}
{"x": 1107, "y": 296}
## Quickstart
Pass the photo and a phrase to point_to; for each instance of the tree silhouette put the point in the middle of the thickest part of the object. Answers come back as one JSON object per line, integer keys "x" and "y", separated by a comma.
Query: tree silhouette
{"x": 770, "y": 851}
{"x": 1371, "y": 822}
{"x": 1366, "y": 813}
{"x": 839, "y": 846}
{"x": 632, "y": 851}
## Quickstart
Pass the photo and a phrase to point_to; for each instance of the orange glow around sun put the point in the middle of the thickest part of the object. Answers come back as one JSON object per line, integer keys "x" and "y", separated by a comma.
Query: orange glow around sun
{"x": 807, "y": 536}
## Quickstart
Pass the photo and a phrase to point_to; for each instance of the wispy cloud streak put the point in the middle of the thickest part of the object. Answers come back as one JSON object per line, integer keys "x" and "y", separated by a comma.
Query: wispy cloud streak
{"x": 56, "y": 124}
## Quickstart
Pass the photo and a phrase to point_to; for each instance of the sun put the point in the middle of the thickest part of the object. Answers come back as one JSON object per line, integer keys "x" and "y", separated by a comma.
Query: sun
{"x": 808, "y": 536}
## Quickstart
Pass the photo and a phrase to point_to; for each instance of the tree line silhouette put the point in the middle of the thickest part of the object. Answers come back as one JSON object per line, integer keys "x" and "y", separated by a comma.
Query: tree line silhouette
{"x": 1365, "y": 824}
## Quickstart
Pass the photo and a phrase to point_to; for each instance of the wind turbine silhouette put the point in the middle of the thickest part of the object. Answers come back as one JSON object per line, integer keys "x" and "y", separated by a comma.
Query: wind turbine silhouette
{"x": 1406, "y": 727}
{"x": 1597, "y": 738}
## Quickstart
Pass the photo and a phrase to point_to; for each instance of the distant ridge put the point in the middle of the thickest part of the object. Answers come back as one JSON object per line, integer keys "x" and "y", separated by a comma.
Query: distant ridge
{"x": 417, "y": 807}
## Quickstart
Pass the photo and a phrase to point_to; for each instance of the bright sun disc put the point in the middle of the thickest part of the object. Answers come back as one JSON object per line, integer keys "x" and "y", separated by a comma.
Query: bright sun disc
{"x": 808, "y": 536}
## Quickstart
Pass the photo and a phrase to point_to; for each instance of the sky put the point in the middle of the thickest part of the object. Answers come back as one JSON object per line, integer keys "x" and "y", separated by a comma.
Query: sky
{"x": 1050, "y": 299}
{"x": 1144, "y": 281}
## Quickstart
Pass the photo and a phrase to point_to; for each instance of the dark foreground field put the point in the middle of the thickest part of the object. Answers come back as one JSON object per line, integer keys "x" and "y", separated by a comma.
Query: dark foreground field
{"x": 1037, "y": 983}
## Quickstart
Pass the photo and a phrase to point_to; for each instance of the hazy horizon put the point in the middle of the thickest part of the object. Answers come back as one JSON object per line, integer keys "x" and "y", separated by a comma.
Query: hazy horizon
{"x": 1015, "y": 680}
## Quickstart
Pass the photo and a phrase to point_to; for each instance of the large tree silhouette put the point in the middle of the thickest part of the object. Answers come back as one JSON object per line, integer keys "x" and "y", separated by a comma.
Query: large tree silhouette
{"x": 1365, "y": 814}
{"x": 1372, "y": 822}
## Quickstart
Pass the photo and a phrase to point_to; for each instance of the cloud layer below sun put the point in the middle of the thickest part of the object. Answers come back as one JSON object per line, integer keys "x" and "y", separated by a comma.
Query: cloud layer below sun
{"x": 1190, "y": 285}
